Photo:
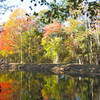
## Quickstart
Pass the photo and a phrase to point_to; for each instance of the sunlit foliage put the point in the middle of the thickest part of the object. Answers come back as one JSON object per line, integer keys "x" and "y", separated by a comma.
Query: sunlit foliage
{"x": 55, "y": 35}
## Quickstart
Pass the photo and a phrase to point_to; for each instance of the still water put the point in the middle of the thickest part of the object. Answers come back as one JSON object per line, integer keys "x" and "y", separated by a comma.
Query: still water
{"x": 36, "y": 86}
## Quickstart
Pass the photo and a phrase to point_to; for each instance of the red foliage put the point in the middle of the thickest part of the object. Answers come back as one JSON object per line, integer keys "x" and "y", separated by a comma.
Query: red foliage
{"x": 6, "y": 90}
{"x": 54, "y": 27}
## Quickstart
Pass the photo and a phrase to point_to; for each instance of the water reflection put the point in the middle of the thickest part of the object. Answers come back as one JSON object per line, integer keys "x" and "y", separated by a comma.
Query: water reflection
{"x": 36, "y": 86}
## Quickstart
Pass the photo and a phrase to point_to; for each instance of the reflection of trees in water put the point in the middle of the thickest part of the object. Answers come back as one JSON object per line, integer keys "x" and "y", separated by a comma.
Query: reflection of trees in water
{"x": 32, "y": 86}
{"x": 96, "y": 89}
{"x": 8, "y": 90}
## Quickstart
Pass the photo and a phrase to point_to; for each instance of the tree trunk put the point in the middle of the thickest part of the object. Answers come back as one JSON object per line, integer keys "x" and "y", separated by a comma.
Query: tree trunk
{"x": 56, "y": 60}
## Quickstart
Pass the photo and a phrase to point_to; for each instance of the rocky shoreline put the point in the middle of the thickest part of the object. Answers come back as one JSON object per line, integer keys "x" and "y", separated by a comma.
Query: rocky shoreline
{"x": 70, "y": 69}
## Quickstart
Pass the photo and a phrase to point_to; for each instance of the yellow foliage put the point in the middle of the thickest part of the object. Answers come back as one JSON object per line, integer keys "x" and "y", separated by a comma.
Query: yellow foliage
{"x": 18, "y": 13}
{"x": 72, "y": 26}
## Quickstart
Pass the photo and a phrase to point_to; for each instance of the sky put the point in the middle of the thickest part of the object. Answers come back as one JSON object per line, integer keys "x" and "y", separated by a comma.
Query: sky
{"x": 18, "y": 4}
{"x": 24, "y": 5}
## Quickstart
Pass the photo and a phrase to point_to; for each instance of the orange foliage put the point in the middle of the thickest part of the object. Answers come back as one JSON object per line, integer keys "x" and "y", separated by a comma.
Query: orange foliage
{"x": 17, "y": 23}
{"x": 54, "y": 27}
{"x": 6, "y": 43}
{"x": 6, "y": 90}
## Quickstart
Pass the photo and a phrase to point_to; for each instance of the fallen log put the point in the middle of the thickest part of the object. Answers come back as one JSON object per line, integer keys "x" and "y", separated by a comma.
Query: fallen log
{"x": 71, "y": 69}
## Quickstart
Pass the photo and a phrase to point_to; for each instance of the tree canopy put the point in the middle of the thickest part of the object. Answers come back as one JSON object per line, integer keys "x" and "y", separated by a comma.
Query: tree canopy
{"x": 55, "y": 35}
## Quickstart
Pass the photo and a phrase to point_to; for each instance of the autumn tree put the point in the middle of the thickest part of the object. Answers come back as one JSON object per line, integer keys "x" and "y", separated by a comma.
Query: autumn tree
{"x": 52, "y": 41}
{"x": 6, "y": 43}
{"x": 11, "y": 38}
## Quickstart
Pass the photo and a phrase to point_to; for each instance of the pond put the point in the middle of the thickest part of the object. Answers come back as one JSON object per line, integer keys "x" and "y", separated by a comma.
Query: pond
{"x": 39, "y": 86}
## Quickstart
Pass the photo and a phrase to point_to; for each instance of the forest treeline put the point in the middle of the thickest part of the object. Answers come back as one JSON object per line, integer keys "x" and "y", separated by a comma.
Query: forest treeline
{"x": 67, "y": 32}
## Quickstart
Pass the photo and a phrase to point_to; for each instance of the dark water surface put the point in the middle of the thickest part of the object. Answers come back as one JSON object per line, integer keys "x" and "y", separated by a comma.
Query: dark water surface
{"x": 36, "y": 86}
